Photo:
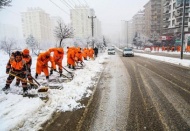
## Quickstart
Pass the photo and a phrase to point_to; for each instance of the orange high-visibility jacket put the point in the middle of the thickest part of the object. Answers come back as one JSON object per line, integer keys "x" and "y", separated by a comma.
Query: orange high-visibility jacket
{"x": 58, "y": 54}
{"x": 71, "y": 56}
{"x": 91, "y": 53}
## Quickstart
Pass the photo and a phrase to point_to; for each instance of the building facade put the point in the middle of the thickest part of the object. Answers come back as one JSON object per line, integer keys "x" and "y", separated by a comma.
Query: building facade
{"x": 156, "y": 19}
{"x": 147, "y": 19}
{"x": 173, "y": 14}
{"x": 81, "y": 22}
{"x": 37, "y": 23}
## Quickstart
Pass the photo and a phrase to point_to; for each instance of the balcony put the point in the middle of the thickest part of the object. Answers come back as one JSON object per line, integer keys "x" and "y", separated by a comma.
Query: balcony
{"x": 166, "y": 25}
{"x": 166, "y": 10}
{"x": 178, "y": 5}
{"x": 178, "y": 23}
{"x": 178, "y": 13}
{"x": 166, "y": 3}
{"x": 166, "y": 18}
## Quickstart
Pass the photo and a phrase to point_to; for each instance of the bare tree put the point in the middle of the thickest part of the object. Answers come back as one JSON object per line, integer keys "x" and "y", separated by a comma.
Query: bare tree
{"x": 63, "y": 31}
{"x": 4, "y": 3}
{"x": 7, "y": 45}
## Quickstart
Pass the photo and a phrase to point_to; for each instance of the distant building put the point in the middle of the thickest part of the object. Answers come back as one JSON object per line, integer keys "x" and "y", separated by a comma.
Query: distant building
{"x": 82, "y": 25}
{"x": 138, "y": 23}
{"x": 37, "y": 23}
{"x": 147, "y": 19}
{"x": 156, "y": 18}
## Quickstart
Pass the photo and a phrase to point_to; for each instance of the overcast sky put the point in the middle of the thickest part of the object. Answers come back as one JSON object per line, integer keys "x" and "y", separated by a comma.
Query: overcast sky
{"x": 109, "y": 12}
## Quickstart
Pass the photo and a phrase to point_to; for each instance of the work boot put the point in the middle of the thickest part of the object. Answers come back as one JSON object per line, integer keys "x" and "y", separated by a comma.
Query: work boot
{"x": 25, "y": 92}
{"x": 36, "y": 76}
{"x": 32, "y": 86}
{"x": 51, "y": 72}
{"x": 60, "y": 72}
{"x": 17, "y": 84}
{"x": 7, "y": 87}
{"x": 47, "y": 78}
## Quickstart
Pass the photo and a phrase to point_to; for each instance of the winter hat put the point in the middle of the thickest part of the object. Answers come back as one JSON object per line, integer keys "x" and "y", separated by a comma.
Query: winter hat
{"x": 17, "y": 53}
{"x": 26, "y": 52}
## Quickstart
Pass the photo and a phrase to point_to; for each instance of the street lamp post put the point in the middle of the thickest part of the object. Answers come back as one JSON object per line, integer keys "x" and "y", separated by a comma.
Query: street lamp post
{"x": 127, "y": 31}
{"x": 127, "y": 34}
{"x": 182, "y": 29}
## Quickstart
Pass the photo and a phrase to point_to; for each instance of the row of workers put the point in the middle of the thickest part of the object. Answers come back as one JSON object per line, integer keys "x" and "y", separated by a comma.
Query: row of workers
{"x": 19, "y": 64}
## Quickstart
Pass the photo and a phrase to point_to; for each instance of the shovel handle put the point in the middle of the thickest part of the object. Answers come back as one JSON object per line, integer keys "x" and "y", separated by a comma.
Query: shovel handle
{"x": 21, "y": 78}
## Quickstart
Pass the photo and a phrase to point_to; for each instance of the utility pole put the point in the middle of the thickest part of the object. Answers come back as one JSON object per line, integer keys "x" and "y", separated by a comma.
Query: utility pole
{"x": 92, "y": 25}
{"x": 182, "y": 29}
{"x": 127, "y": 34}
{"x": 127, "y": 31}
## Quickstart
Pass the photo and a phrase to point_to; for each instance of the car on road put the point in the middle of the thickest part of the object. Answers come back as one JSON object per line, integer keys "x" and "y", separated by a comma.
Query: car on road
{"x": 111, "y": 50}
{"x": 128, "y": 52}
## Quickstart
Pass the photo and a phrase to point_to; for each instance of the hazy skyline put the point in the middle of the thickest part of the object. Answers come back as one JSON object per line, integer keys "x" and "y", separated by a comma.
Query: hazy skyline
{"x": 109, "y": 12}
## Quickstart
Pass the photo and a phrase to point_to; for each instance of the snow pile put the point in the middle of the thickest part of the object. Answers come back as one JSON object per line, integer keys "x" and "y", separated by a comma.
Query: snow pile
{"x": 23, "y": 113}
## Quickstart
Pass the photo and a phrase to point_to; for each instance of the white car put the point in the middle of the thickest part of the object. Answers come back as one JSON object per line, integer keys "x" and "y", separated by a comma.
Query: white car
{"x": 111, "y": 51}
{"x": 128, "y": 52}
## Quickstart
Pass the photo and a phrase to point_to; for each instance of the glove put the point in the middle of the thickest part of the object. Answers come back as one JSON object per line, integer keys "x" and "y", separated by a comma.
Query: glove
{"x": 23, "y": 75}
{"x": 7, "y": 71}
{"x": 27, "y": 72}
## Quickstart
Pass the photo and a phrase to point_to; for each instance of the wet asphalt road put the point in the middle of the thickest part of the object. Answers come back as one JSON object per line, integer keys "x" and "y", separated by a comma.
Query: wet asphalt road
{"x": 133, "y": 93}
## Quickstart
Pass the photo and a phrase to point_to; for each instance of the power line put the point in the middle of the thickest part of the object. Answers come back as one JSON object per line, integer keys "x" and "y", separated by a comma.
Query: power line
{"x": 69, "y": 6}
{"x": 86, "y": 2}
{"x": 71, "y": 3}
{"x": 59, "y": 7}
{"x": 80, "y": 2}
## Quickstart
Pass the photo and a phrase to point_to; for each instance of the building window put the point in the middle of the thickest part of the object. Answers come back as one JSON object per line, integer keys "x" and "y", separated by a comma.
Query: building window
{"x": 173, "y": 22}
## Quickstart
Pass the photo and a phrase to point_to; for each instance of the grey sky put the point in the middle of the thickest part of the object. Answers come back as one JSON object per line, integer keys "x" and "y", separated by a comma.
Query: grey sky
{"x": 109, "y": 12}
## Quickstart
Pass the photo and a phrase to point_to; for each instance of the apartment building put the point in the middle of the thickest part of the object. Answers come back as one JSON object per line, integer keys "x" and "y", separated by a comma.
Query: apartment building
{"x": 156, "y": 18}
{"x": 138, "y": 23}
{"x": 37, "y": 23}
{"x": 173, "y": 15}
{"x": 81, "y": 22}
{"x": 147, "y": 19}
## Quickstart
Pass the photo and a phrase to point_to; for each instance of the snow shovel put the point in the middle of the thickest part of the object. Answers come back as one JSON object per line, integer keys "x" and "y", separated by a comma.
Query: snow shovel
{"x": 62, "y": 74}
{"x": 41, "y": 88}
{"x": 22, "y": 79}
{"x": 68, "y": 71}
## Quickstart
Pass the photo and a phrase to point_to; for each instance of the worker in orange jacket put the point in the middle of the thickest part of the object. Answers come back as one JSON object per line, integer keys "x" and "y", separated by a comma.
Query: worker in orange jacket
{"x": 84, "y": 54}
{"x": 57, "y": 59}
{"x": 42, "y": 64}
{"x": 28, "y": 59}
{"x": 79, "y": 56}
{"x": 16, "y": 67}
{"x": 91, "y": 53}
{"x": 71, "y": 57}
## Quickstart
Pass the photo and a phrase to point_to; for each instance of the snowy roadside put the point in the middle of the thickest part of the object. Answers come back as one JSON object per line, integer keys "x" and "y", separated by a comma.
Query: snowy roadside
{"x": 18, "y": 113}
{"x": 177, "y": 61}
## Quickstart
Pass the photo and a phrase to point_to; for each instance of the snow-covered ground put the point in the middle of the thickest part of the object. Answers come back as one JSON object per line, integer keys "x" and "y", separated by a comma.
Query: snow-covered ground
{"x": 17, "y": 111}
{"x": 23, "y": 113}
